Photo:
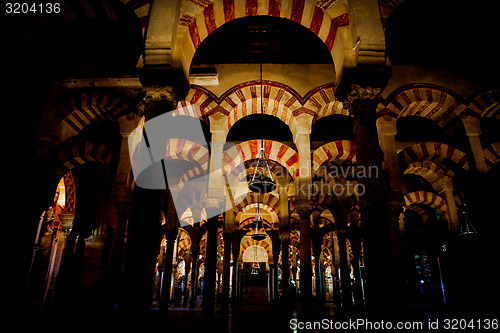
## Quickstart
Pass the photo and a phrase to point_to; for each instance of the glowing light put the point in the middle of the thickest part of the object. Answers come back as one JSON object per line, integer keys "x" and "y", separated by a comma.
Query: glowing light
{"x": 61, "y": 199}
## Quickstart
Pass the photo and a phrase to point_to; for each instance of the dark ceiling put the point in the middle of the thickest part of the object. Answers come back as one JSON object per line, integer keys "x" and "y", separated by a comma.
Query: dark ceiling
{"x": 453, "y": 34}
{"x": 49, "y": 46}
{"x": 262, "y": 38}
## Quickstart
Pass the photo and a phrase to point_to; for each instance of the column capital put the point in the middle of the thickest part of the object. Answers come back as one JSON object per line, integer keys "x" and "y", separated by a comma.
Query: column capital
{"x": 304, "y": 208}
{"x": 447, "y": 183}
{"x": 128, "y": 123}
{"x": 284, "y": 235}
{"x": 218, "y": 126}
{"x": 229, "y": 217}
{"x": 66, "y": 222}
{"x": 302, "y": 122}
{"x": 472, "y": 126}
{"x": 386, "y": 125}
{"x": 159, "y": 93}
{"x": 362, "y": 101}
{"x": 214, "y": 206}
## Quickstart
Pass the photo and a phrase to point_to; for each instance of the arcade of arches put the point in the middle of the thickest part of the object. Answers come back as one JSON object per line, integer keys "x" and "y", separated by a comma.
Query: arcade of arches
{"x": 379, "y": 121}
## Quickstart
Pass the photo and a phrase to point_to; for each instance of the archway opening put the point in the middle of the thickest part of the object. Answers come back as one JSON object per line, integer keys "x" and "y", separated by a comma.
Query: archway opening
{"x": 262, "y": 38}
{"x": 260, "y": 126}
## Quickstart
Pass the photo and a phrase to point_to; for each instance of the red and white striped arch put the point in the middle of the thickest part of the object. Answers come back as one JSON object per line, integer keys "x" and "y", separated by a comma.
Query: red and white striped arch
{"x": 198, "y": 103}
{"x": 195, "y": 172}
{"x": 181, "y": 149}
{"x": 304, "y": 12}
{"x": 431, "y": 172}
{"x": 334, "y": 151}
{"x": 433, "y": 151}
{"x": 184, "y": 240}
{"x": 277, "y": 101}
{"x": 428, "y": 102}
{"x": 295, "y": 240}
{"x": 249, "y": 150}
{"x": 324, "y": 102}
{"x": 248, "y": 242}
{"x": 492, "y": 154}
{"x": 267, "y": 201}
{"x": 487, "y": 104}
{"x": 78, "y": 154}
{"x": 84, "y": 107}
{"x": 426, "y": 198}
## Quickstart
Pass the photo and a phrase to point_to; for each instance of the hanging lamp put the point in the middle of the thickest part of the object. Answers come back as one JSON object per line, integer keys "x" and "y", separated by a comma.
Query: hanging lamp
{"x": 262, "y": 179}
{"x": 467, "y": 228}
{"x": 259, "y": 233}
{"x": 255, "y": 266}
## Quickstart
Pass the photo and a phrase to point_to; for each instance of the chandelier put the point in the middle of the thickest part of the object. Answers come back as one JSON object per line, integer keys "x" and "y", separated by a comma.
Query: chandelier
{"x": 259, "y": 233}
{"x": 466, "y": 227}
{"x": 262, "y": 179}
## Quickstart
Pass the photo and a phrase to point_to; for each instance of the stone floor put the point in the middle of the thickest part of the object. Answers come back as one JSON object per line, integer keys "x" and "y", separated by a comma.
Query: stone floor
{"x": 242, "y": 319}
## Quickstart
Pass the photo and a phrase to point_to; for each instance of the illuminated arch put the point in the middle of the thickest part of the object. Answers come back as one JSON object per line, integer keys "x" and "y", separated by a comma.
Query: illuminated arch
{"x": 433, "y": 151}
{"x": 197, "y": 26}
{"x": 431, "y": 102}
{"x": 426, "y": 198}
{"x": 248, "y": 150}
{"x": 334, "y": 151}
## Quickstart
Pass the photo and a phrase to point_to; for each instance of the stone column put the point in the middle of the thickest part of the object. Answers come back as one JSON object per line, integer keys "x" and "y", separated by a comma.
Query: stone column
{"x": 195, "y": 251}
{"x": 357, "y": 286}
{"x": 381, "y": 281}
{"x": 285, "y": 267}
{"x": 304, "y": 209}
{"x": 301, "y": 129}
{"x": 236, "y": 253}
{"x": 386, "y": 130}
{"x": 473, "y": 130}
{"x": 214, "y": 205}
{"x": 171, "y": 236}
{"x": 294, "y": 275}
{"x": 345, "y": 277}
{"x": 209, "y": 280}
{"x": 185, "y": 294}
{"x": 316, "y": 244}
{"x": 453, "y": 221}
{"x": 228, "y": 239}
{"x": 274, "y": 276}
{"x": 284, "y": 236}
{"x": 59, "y": 247}
{"x": 341, "y": 228}
{"x": 229, "y": 227}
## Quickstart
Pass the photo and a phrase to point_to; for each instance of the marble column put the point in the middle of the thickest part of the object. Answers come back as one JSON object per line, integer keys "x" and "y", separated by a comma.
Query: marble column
{"x": 345, "y": 277}
{"x": 382, "y": 283}
{"x": 209, "y": 280}
{"x": 447, "y": 192}
{"x": 354, "y": 235}
{"x": 284, "y": 236}
{"x": 274, "y": 274}
{"x": 214, "y": 205}
{"x": 171, "y": 237}
{"x": 304, "y": 209}
{"x": 472, "y": 127}
{"x": 386, "y": 130}
{"x": 62, "y": 233}
{"x": 195, "y": 251}
{"x": 285, "y": 267}
{"x": 228, "y": 239}
{"x": 316, "y": 238}
{"x": 236, "y": 273}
